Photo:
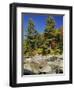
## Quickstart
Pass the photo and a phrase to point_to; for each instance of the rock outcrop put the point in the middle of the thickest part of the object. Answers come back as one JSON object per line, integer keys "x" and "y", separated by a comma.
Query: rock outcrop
{"x": 43, "y": 65}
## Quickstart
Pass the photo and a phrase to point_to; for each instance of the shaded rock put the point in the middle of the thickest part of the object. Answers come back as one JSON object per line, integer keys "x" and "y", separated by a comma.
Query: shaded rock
{"x": 46, "y": 69}
{"x": 27, "y": 72}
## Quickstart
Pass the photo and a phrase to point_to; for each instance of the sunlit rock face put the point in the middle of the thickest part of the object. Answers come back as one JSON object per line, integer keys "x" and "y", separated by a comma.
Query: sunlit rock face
{"x": 43, "y": 65}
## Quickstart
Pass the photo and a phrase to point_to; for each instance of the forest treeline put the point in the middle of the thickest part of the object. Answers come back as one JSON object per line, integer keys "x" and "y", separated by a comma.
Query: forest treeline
{"x": 50, "y": 42}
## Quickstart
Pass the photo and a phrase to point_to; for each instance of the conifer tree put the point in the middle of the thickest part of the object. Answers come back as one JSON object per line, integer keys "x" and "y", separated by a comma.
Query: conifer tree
{"x": 31, "y": 38}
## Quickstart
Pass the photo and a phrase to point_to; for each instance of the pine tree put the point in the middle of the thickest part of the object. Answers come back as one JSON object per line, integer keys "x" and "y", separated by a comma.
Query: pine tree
{"x": 31, "y": 38}
{"x": 48, "y": 33}
{"x": 50, "y": 26}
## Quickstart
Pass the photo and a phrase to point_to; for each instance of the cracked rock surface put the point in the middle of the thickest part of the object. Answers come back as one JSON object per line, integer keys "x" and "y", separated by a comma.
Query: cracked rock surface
{"x": 43, "y": 65}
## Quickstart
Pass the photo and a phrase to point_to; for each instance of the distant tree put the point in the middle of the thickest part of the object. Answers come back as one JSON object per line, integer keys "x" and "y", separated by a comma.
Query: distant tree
{"x": 60, "y": 45}
{"x": 58, "y": 33}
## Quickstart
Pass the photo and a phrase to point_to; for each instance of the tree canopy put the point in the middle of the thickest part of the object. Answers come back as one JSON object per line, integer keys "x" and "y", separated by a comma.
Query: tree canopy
{"x": 46, "y": 43}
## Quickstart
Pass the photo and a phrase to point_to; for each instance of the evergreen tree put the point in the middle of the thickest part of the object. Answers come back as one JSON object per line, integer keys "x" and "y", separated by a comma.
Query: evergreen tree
{"x": 50, "y": 26}
{"x": 48, "y": 33}
{"x": 31, "y": 38}
{"x": 48, "y": 42}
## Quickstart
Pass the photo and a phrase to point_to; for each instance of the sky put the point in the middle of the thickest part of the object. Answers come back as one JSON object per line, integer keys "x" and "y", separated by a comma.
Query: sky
{"x": 40, "y": 21}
